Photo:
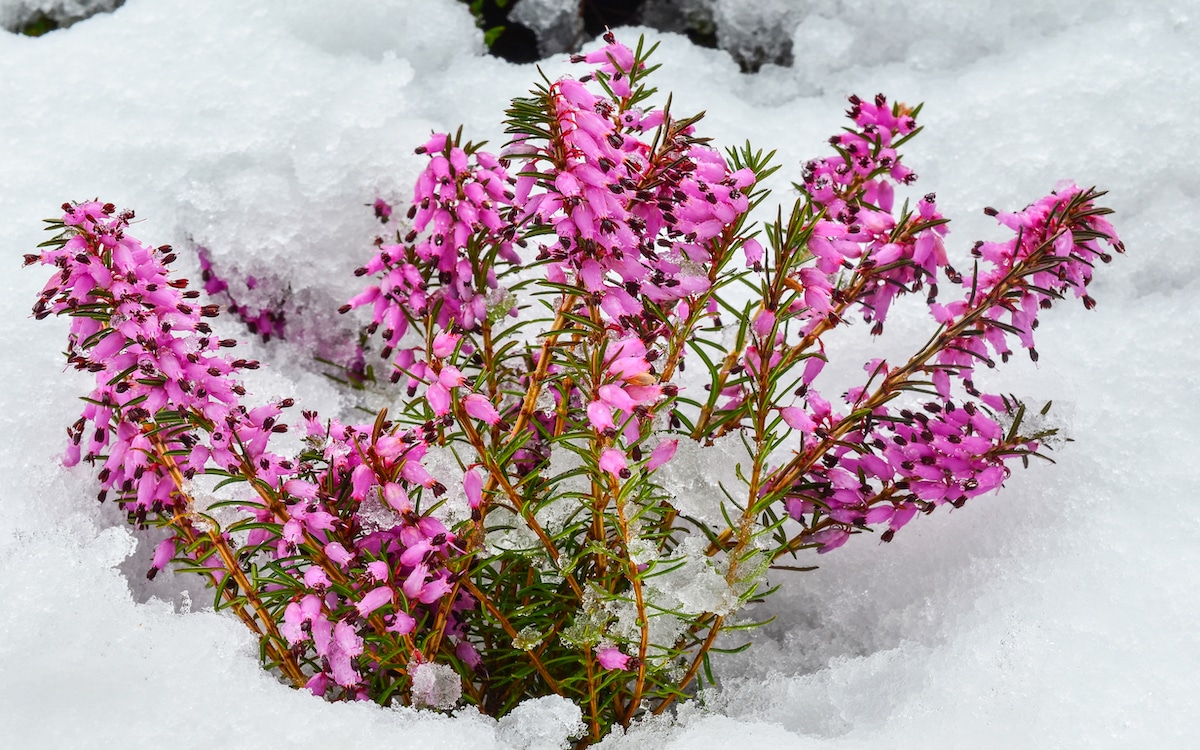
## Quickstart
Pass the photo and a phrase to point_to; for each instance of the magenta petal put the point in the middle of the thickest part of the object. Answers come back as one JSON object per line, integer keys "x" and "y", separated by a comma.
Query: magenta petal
{"x": 479, "y": 407}
{"x": 473, "y": 486}
{"x": 361, "y": 480}
{"x": 612, "y": 658}
{"x": 612, "y": 461}
{"x": 439, "y": 398}
{"x": 300, "y": 488}
{"x": 763, "y": 323}
{"x": 451, "y": 377}
{"x": 402, "y": 624}
{"x": 434, "y": 590}
{"x": 292, "y": 619}
{"x": 797, "y": 419}
{"x": 163, "y": 553}
{"x": 444, "y": 344}
{"x": 467, "y": 653}
{"x": 415, "y": 581}
{"x": 902, "y": 516}
{"x": 338, "y": 553}
{"x": 315, "y": 578}
{"x": 753, "y": 251}
{"x": 373, "y": 600}
{"x": 318, "y": 684}
{"x": 812, "y": 368}
{"x": 662, "y": 454}
{"x": 396, "y": 497}
{"x": 600, "y": 416}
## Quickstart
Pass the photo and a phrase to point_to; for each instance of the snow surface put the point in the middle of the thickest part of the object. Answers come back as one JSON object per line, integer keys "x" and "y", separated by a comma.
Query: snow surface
{"x": 1061, "y": 613}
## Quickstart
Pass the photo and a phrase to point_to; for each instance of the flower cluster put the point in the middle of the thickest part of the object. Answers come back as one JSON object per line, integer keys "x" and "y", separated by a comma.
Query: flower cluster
{"x": 154, "y": 355}
{"x": 349, "y": 551}
{"x": 506, "y": 530}
{"x": 1054, "y": 252}
{"x": 912, "y": 461}
{"x": 950, "y": 449}
{"x": 856, "y": 191}
{"x": 372, "y": 567}
{"x": 457, "y": 213}
{"x": 641, "y": 213}
{"x": 633, "y": 199}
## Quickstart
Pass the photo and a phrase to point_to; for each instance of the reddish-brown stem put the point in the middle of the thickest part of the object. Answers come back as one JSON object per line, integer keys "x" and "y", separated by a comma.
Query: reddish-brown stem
{"x": 317, "y": 554}
{"x": 593, "y": 706}
{"x": 497, "y": 472}
{"x": 182, "y": 524}
{"x": 695, "y": 665}
{"x": 635, "y": 582}
{"x": 512, "y": 632}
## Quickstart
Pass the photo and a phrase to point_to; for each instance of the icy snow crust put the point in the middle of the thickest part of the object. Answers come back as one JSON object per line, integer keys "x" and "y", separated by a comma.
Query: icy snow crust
{"x": 1061, "y": 613}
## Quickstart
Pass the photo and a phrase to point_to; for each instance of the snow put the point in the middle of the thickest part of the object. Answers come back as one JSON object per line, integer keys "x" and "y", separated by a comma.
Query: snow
{"x": 1060, "y": 613}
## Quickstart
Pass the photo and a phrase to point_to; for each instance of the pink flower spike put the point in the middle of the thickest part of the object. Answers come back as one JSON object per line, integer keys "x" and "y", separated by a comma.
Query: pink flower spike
{"x": 612, "y": 658}
{"x": 479, "y": 407}
{"x": 661, "y": 454}
{"x": 612, "y": 461}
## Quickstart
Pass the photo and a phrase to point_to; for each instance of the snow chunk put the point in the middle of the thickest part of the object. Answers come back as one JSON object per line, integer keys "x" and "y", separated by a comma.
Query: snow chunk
{"x": 435, "y": 685}
{"x": 548, "y": 723}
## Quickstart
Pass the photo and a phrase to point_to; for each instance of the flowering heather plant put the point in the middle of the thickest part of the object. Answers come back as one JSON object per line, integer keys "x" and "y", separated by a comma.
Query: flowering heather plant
{"x": 537, "y": 308}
